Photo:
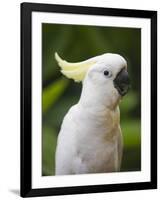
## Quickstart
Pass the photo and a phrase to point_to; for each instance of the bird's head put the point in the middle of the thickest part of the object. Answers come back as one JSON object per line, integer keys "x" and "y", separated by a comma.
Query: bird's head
{"x": 105, "y": 77}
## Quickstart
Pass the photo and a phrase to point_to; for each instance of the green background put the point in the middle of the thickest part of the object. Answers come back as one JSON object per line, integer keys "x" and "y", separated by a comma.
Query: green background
{"x": 76, "y": 43}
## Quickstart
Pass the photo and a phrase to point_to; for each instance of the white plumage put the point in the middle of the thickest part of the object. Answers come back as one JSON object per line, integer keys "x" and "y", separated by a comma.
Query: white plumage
{"x": 90, "y": 139}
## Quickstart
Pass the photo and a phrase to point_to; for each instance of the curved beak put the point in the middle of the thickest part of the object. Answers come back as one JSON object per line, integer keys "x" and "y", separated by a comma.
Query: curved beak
{"x": 122, "y": 82}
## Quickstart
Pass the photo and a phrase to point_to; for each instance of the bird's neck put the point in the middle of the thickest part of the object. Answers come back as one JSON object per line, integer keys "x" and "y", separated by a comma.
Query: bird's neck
{"x": 101, "y": 117}
{"x": 100, "y": 111}
{"x": 97, "y": 99}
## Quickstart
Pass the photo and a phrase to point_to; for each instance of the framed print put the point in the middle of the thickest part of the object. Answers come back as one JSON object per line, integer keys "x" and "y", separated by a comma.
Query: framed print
{"x": 88, "y": 99}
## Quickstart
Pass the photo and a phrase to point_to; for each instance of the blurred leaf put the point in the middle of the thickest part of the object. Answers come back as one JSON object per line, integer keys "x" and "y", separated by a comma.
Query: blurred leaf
{"x": 48, "y": 150}
{"x": 131, "y": 160}
{"x": 90, "y": 37}
{"x": 54, "y": 39}
{"x": 52, "y": 93}
{"x": 131, "y": 131}
{"x": 59, "y": 110}
{"x": 128, "y": 103}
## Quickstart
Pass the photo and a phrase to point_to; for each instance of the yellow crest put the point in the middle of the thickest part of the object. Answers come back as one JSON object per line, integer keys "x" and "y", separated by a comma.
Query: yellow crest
{"x": 76, "y": 71}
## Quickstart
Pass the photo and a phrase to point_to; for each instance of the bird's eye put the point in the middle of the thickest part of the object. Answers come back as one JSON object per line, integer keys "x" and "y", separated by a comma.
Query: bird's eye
{"x": 107, "y": 73}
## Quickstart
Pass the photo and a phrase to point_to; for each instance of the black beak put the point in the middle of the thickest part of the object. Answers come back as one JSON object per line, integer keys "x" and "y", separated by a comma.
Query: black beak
{"x": 122, "y": 82}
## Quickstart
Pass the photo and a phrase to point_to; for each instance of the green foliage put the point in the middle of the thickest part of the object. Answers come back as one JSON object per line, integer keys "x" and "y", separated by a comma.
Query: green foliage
{"x": 53, "y": 92}
{"x": 128, "y": 104}
{"x": 77, "y": 43}
{"x": 48, "y": 150}
{"x": 132, "y": 145}
{"x": 131, "y": 133}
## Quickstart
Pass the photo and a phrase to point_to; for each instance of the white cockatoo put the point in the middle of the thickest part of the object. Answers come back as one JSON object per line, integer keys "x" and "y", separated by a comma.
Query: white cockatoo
{"x": 90, "y": 139}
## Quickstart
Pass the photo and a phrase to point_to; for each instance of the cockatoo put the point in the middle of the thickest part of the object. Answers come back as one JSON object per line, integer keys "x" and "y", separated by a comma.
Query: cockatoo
{"x": 90, "y": 138}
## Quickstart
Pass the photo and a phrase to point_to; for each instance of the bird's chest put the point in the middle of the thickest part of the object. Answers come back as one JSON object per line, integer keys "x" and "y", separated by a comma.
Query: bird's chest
{"x": 97, "y": 155}
{"x": 97, "y": 144}
{"x": 103, "y": 121}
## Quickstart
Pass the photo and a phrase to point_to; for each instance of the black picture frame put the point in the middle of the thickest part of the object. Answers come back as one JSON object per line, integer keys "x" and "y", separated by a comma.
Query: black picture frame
{"x": 26, "y": 93}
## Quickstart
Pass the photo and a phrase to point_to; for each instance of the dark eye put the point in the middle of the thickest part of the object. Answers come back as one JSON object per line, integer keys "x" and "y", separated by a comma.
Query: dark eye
{"x": 107, "y": 73}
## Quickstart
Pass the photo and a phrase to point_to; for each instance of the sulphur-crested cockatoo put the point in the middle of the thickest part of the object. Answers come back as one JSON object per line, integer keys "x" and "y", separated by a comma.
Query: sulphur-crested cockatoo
{"x": 90, "y": 139}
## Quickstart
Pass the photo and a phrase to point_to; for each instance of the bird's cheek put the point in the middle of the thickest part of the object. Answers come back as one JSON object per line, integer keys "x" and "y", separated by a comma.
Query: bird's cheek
{"x": 92, "y": 76}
